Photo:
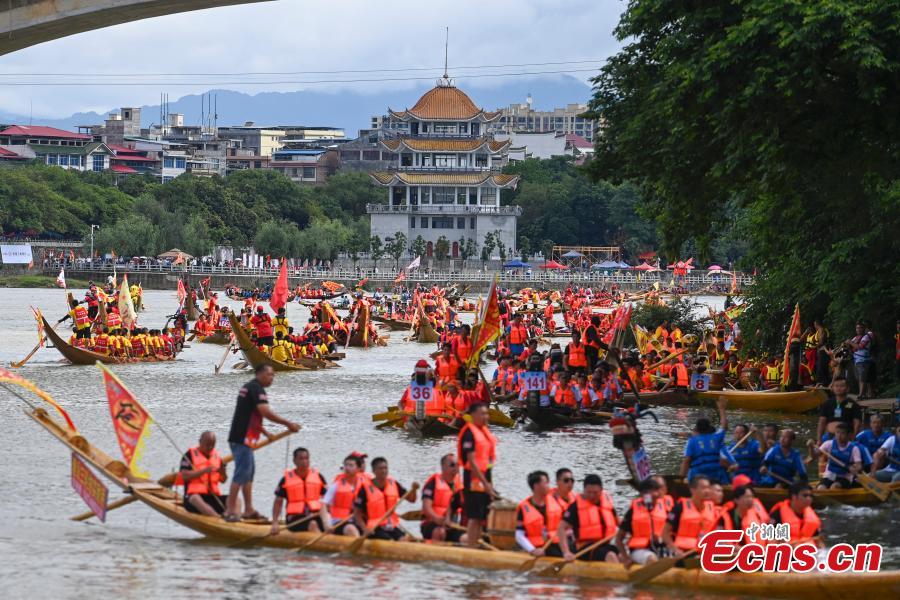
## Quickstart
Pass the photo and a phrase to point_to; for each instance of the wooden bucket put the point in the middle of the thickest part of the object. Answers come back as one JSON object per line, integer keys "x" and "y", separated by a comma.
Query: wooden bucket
{"x": 501, "y": 524}
{"x": 750, "y": 378}
{"x": 716, "y": 379}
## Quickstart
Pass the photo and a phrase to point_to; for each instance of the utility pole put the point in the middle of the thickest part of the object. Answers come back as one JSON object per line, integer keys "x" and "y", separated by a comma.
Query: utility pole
{"x": 93, "y": 227}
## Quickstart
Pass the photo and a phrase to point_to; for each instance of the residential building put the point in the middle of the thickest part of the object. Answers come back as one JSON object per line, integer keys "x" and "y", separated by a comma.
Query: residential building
{"x": 365, "y": 153}
{"x": 262, "y": 141}
{"x": 305, "y": 166}
{"x": 524, "y": 118}
{"x": 239, "y": 159}
{"x": 543, "y": 145}
{"x": 171, "y": 156}
{"x": 128, "y": 161}
{"x": 75, "y": 151}
{"x": 444, "y": 178}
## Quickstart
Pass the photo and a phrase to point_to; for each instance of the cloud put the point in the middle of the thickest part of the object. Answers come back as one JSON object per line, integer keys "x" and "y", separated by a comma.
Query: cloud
{"x": 293, "y": 36}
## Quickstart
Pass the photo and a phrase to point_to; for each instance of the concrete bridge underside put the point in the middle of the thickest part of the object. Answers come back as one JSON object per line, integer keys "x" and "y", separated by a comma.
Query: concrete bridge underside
{"x": 24, "y": 23}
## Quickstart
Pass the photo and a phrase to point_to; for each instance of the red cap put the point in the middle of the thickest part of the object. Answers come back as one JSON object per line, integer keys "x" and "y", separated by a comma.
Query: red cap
{"x": 422, "y": 365}
{"x": 358, "y": 454}
{"x": 740, "y": 480}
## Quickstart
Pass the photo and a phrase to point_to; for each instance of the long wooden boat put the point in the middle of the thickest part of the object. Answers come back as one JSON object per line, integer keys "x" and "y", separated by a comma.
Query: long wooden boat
{"x": 394, "y": 324}
{"x": 254, "y": 355}
{"x": 837, "y": 586}
{"x": 80, "y": 356}
{"x": 220, "y": 337}
{"x": 855, "y": 496}
{"x": 546, "y": 419}
{"x": 784, "y": 402}
{"x": 430, "y": 427}
{"x": 313, "y": 300}
{"x": 667, "y": 398}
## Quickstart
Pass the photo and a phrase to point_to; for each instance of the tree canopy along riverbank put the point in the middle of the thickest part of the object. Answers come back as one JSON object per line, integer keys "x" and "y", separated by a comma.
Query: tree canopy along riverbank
{"x": 780, "y": 115}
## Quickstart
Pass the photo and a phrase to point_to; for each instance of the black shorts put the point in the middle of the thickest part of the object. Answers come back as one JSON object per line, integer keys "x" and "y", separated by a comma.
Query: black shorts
{"x": 476, "y": 505}
{"x": 265, "y": 341}
{"x": 304, "y": 526}
{"x": 452, "y": 535}
{"x": 599, "y": 553}
{"x": 217, "y": 503}
{"x": 340, "y": 529}
{"x": 841, "y": 481}
{"x": 83, "y": 334}
{"x": 381, "y": 533}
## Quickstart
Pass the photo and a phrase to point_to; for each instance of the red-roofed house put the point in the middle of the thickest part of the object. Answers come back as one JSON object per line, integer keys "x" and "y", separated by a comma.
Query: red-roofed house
{"x": 56, "y": 147}
{"x": 127, "y": 160}
{"x": 578, "y": 146}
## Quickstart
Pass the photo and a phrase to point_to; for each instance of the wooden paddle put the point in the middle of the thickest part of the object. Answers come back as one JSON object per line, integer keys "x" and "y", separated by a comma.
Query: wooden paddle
{"x": 555, "y": 569}
{"x": 323, "y": 534}
{"x": 666, "y": 359}
{"x": 168, "y": 480}
{"x": 358, "y": 542}
{"x": 655, "y": 569}
{"x": 483, "y": 543}
{"x": 529, "y": 564}
{"x": 255, "y": 538}
{"x": 224, "y": 356}
{"x": 741, "y": 441}
{"x": 878, "y": 489}
{"x": 16, "y": 365}
{"x": 412, "y": 515}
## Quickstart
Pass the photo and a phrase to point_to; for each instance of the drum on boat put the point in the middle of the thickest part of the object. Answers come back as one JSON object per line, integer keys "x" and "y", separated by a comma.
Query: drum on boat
{"x": 501, "y": 524}
{"x": 716, "y": 379}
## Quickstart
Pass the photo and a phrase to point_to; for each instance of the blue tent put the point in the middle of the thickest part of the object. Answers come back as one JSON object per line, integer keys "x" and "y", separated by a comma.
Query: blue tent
{"x": 516, "y": 264}
{"x": 606, "y": 264}
{"x": 572, "y": 254}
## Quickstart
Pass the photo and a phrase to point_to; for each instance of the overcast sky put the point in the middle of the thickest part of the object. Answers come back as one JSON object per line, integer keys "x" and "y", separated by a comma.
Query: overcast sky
{"x": 295, "y": 36}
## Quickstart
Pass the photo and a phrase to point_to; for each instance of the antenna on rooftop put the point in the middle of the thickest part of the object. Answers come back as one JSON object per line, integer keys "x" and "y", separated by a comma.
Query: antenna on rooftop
{"x": 445, "y": 80}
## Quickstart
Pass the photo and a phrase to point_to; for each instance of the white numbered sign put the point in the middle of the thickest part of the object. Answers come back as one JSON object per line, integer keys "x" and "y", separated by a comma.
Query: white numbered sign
{"x": 535, "y": 381}
{"x": 421, "y": 392}
{"x": 700, "y": 383}
{"x": 642, "y": 463}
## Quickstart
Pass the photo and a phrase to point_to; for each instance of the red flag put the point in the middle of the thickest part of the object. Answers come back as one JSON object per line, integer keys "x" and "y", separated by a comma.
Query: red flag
{"x": 130, "y": 419}
{"x": 280, "y": 293}
{"x": 793, "y": 333}
{"x": 488, "y": 326}
{"x": 362, "y": 283}
{"x": 182, "y": 293}
{"x": 400, "y": 277}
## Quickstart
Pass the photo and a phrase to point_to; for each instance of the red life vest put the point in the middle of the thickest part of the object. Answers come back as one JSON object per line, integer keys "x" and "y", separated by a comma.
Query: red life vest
{"x": 646, "y": 525}
{"x": 693, "y": 524}
{"x": 101, "y": 344}
{"x": 801, "y": 529}
{"x": 537, "y": 524}
{"x": 576, "y": 355}
{"x": 263, "y": 325}
{"x": 303, "y": 492}
{"x": 584, "y": 337}
{"x": 595, "y": 522}
{"x": 342, "y": 504}
{"x": 137, "y": 346}
{"x": 565, "y": 396}
{"x": 443, "y": 493}
{"x": 485, "y": 452}
{"x": 208, "y": 483}
{"x": 752, "y": 516}
{"x": 80, "y": 315}
{"x": 463, "y": 348}
{"x": 378, "y": 502}
{"x": 518, "y": 335}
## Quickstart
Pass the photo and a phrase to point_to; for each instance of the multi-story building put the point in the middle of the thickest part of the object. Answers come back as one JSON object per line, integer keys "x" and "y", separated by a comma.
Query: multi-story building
{"x": 75, "y": 151}
{"x": 305, "y": 166}
{"x": 444, "y": 178}
{"x": 261, "y": 141}
{"x": 524, "y": 118}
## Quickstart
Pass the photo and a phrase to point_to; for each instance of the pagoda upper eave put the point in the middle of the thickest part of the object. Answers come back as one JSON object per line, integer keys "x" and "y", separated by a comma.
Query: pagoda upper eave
{"x": 445, "y": 145}
{"x": 481, "y": 116}
{"x": 498, "y": 180}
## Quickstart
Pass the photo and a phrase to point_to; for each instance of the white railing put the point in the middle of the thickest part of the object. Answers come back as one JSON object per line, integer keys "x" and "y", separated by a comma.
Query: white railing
{"x": 456, "y": 209}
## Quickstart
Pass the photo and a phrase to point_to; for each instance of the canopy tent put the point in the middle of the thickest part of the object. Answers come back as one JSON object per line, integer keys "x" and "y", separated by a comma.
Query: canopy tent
{"x": 624, "y": 265}
{"x": 713, "y": 268}
{"x": 606, "y": 264}
{"x": 645, "y": 267}
{"x": 516, "y": 264}
{"x": 553, "y": 265}
{"x": 573, "y": 254}
{"x": 175, "y": 253}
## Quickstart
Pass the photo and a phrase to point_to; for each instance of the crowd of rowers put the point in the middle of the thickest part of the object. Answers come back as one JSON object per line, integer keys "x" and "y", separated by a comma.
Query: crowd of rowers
{"x": 276, "y": 337}
{"x": 113, "y": 338}
{"x": 456, "y": 500}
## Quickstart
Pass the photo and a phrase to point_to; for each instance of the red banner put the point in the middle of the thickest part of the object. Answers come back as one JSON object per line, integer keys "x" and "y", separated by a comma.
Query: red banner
{"x": 793, "y": 333}
{"x": 489, "y": 325}
{"x": 89, "y": 487}
{"x": 130, "y": 419}
{"x": 280, "y": 293}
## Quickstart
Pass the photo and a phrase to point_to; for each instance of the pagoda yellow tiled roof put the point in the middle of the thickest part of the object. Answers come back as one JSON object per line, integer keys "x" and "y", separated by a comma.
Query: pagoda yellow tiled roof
{"x": 446, "y": 103}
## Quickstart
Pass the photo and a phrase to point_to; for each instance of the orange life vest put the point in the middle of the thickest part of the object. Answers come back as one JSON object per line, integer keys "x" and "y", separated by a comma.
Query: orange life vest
{"x": 536, "y": 524}
{"x": 752, "y": 516}
{"x": 80, "y": 316}
{"x": 565, "y": 396}
{"x": 518, "y": 334}
{"x": 458, "y": 402}
{"x": 584, "y": 337}
{"x": 208, "y": 483}
{"x": 380, "y": 501}
{"x": 446, "y": 368}
{"x": 484, "y": 454}
{"x": 646, "y": 525}
{"x": 801, "y": 529}
{"x": 303, "y": 492}
{"x": 576, "y": 355}
{"x": 680, "y": 373}
{"x": 595, "y": 522}
{"x": 342, "y": 504}
{"x": 463, "y": 348}
{"x": 693, "y": 524}
{"x": 443, "y": 493}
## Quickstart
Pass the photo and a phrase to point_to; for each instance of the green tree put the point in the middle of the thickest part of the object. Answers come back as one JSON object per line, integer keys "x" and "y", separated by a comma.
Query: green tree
{"x": 396, "y": 247}
{"x": 442, "y": 248}
{"x": 418, "y": 246}
{"x": 524, "y": 248}
{"x": 468, "y": 249}
{"x": 501, "y": 247}
{"x": 133, "y": 235}
{"x": 377, "y": 247}
{"x": 780, "y": 109}
{"x": 272, "y": 239}
{"x": 197, "y": 240}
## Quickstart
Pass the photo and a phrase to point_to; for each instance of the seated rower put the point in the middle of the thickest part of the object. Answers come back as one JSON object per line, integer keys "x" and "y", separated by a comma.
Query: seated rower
{"x": 442, "y": 503}
{"x": 690, "y": 519}
{"x": 742, "y": 512}
{"x": 667, "y": 499}
{"x": 281, "y": 348}
{"x": 871, "y": 439}
{"x": 376, "y": 498}
{"x": 798, "y": 513}
{"x": 202, "y": 470}
{"x": 590, "y": 519}
{"x": 566, "y": 397}
{"x": 564, "y": 492}
{"x": 782, "y": 464}
{"x": 750, "y": 453}
{"x": 886, "y": 460}
{"x": 845, "y": 462}
{"x": 302, "y": 488}
{"x": 340, "y": 496}
{"x": 538, "y": 517}
{"x": 643, "y": 524}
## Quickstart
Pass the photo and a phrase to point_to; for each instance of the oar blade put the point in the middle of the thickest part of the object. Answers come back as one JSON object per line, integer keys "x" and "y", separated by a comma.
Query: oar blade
{"x": 652, "y": 570}
{"x": 880, "y": 490}
{"x": 356, "y": 545}
{"x": 551, "y": 570}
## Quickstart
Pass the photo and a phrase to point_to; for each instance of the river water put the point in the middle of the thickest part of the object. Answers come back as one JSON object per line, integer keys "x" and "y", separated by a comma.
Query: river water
{"x": 139, "y": 554}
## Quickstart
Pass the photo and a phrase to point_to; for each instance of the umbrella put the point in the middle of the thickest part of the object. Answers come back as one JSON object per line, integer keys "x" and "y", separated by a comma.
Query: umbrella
{"x": 572, "y": 254}
{"x": 553, "y": 265}
{"x": 645, "y": 267}
{"x": 713, "y": 268}
{"x": 516, "y": 264}
{"x": 174, "y": 253}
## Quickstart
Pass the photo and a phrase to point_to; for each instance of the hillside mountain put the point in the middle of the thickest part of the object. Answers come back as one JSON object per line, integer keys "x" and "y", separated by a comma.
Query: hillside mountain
{"x": 347, "y": 109}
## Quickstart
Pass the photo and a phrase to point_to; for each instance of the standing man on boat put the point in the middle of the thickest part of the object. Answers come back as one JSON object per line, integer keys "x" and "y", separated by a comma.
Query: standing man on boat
{"x": 202, "y": 470}
{"x": 80, "y": 318}
{"x": 477, "y": 453}
{"x": 246, "y": 426}
{"x": 839, "y": 408}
